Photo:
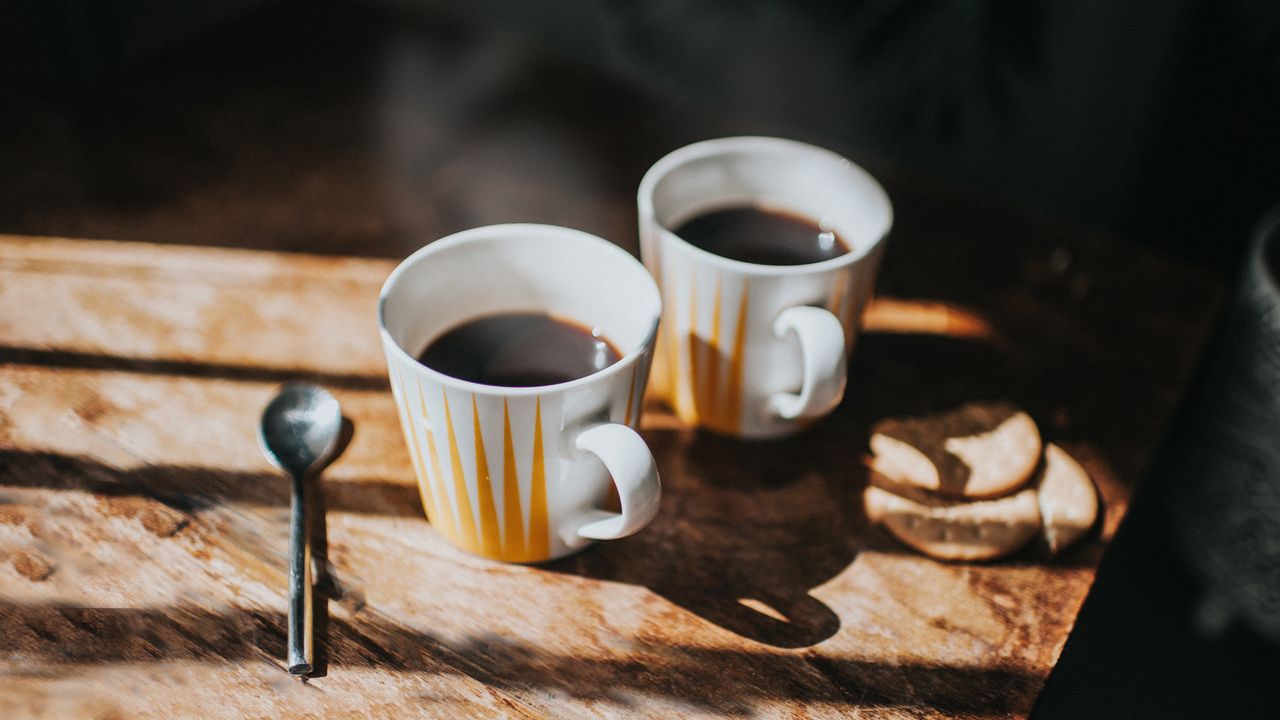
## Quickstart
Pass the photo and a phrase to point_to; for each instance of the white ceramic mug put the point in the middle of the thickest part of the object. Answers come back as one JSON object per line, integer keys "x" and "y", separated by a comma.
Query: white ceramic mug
{"x": 521, "y": 473}
{"x": 752, "y": 350}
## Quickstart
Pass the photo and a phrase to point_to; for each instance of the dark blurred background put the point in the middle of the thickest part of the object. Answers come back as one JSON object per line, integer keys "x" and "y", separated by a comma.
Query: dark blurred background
{"x": 1154, "y": 120}
{"x": 317, "y": 127}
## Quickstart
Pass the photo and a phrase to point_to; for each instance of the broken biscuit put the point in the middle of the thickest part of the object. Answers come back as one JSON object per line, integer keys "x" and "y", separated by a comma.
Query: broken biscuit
{"x": 958, "y": 530}
{"x": 1068, "y": 499}
{"x": 980, "y": 450}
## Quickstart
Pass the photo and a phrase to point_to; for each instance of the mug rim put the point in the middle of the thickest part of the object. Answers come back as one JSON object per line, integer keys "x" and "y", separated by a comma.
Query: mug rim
{"x": 715, "y": 146}
{"x": 526, "y": 230}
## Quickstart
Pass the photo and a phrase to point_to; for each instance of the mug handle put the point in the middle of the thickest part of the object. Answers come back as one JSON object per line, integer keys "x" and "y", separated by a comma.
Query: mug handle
{"x": 627, "y": 458}
{"x": 822, "y": 358}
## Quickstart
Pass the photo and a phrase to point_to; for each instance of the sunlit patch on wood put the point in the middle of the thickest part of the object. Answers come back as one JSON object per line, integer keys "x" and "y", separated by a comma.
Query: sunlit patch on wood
{"x": 889, "y": 315}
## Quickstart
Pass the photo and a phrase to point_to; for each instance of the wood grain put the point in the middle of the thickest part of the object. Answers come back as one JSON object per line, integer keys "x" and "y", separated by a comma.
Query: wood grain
{"x": 143, "y": 536}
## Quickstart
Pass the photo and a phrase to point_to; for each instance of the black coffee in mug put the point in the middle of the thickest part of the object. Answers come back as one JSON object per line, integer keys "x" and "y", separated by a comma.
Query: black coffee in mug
{"x": 765, "y": 237}
{"x": 519, "y": 349}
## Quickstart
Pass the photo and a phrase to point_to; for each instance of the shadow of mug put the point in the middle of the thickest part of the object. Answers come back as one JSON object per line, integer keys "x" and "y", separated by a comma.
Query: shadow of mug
{"x": 746, "y": 532}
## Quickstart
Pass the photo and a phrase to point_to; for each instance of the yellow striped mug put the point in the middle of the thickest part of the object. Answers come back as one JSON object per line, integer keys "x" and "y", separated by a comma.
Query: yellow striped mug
{"x": 750, "y": 350}
{"x": 521, "y": 474}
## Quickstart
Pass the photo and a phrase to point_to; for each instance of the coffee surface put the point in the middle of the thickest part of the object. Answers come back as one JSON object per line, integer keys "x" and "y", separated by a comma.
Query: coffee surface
{"x": 519, "y": 350}
{"x": 764, "y": 237}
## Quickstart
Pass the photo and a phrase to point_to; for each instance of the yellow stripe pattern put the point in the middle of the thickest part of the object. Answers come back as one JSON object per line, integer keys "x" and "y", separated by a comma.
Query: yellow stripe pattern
{"x": 513, "y": 517}
{"x": 631, "y": 396}
{"x": 476, "y": 528}
{"x": 490, "y": 534}
{"x": 843, "y": 305}
{"x": 466, "y": 536}
{"x": 447, "y": 522}
{"x": 710, "y": 391}
{"x": 415, "y": 452}
{"x": 539, "y": 542}
{"x": 836, "y": 307}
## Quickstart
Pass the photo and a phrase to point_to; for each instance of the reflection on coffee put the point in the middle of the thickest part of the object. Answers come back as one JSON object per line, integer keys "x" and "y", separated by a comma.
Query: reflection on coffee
{"x": 764, "y": 237}
{"x": 523, "y": 349}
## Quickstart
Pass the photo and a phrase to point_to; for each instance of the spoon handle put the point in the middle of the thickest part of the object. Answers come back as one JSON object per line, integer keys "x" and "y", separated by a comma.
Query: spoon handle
{"x": 300, "y": 648}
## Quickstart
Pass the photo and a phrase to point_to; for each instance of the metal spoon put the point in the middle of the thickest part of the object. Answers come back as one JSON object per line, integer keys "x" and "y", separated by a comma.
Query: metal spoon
{"x": 299, "y": 431}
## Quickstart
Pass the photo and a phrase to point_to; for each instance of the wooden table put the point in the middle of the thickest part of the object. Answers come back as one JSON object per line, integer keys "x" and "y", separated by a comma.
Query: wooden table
{"x": 143, "y": 535}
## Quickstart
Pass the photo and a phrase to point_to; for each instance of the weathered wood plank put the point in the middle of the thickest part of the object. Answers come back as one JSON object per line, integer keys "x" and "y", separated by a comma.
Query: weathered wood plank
{"x": 217, "y": 311}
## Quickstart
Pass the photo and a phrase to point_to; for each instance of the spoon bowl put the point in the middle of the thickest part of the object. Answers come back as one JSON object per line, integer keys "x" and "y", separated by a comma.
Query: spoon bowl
{"x": 300, "y": 427}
